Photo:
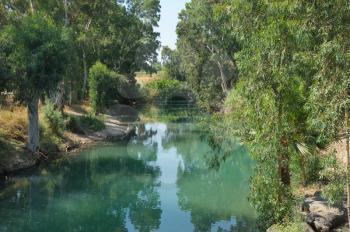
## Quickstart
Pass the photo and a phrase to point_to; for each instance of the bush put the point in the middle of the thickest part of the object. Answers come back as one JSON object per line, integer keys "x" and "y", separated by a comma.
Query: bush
{"x": 73, "y": 125}
{"x": 103, "y": 84}
{"x": 54, "y": 118}
{"x": 334, "y": 173}
{"x": 84, "y": 124}
{"x": 288, "y": 227}
{"x": 162, "y": 89}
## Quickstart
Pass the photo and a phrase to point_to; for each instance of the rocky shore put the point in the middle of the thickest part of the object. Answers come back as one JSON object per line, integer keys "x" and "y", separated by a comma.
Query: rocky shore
{"x": 318, "y": 216}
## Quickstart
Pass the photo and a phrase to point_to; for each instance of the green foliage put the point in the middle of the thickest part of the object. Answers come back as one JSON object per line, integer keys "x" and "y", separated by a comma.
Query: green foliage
{"x": 119, "y": 33}
{"x": 306, "y": 168}
{"x": 267, "y": 105}
{"x": 288, "y": 227}
{"x": 172, "y": 63}
{"x": 205, "y": 49}
{"x": 54, "y": 118}
{"x": 103, "y": 86}
{"x": 37, "y": 56}
{"x": 163, "y": 84}
{"x": 334, "y": 173}
{"x": 292, "y": 60}
{"x": 328, "y": 58}
{"x": 84, "y": 124}
{"x": 164, "y": 89}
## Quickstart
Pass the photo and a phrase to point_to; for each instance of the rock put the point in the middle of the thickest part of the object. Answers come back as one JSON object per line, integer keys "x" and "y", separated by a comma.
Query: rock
{"x": 307, "y": 227}
{"x": 322, "y": 217}
{"x": 71, "y": 147}
{"x": 122, "y": 136}
{"x": 342, "y": 229}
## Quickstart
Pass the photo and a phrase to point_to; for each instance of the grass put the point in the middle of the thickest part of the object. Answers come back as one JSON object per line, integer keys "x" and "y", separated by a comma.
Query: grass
{"x": 14, "y": 126}
{"x": 143, "y": 78}
{"x": 14, "y": 130}
{"x": 288, "y": 227}
{"x": 13, "y": 123}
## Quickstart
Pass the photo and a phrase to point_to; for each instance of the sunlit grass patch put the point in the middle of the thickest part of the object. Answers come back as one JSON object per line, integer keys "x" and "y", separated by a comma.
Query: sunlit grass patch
{"x": 13, "y": 123}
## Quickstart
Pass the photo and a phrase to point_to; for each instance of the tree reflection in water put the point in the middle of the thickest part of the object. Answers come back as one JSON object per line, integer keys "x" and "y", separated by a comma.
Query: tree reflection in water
{"x": 118, "y": 187}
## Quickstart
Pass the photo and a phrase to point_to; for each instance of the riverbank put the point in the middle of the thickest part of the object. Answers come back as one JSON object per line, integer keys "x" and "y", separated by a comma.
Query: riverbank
{"x": 15, "y": 157}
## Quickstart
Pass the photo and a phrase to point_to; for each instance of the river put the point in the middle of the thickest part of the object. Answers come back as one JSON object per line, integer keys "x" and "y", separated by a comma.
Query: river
{"x": 159, "y": 181}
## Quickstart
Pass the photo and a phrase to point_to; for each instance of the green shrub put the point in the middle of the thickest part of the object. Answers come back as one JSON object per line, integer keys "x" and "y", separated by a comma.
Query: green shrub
{"x": 73, "y": 125}
{"x": 334, "y": 173}
{"x": 103, "y": 87}
{"x": 54, "y": 118}
{"x": 92, "y": 123}
{"x": 84, "y": 124}
{"x": 161, "y": 89}
{"x": 288, "y": 227}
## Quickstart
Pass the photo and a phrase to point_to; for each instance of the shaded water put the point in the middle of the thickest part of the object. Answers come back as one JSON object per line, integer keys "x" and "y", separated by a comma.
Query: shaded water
{"x": 157, "y": 182}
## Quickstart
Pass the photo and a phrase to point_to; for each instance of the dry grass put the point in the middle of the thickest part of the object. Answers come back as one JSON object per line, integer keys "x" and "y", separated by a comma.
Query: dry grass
{"x": 78, "y": 110}
{"x": 309, "y": 190}
{"x": 143, "y": 78}
{"x": 13, "y": 123}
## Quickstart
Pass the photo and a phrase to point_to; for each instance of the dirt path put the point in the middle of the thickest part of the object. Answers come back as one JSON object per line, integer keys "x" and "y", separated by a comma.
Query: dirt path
{"x": 340, "y": 148}
{"x": 116, "y": 128}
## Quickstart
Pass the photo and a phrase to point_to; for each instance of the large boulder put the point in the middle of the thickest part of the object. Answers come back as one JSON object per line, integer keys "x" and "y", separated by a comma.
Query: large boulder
{"x": 321, "y": 216}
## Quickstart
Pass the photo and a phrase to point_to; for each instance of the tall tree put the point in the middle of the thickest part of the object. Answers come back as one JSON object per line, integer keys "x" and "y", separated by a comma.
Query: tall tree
{"x": 172, "y": 62}
{"x": 328, "y": 57}
{"x": 202, "y": 28}
{"x": 269, "y": 101}
{"x": 38, "y": 60}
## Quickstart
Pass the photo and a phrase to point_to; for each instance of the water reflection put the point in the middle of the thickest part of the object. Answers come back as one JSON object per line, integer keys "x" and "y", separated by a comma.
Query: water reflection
{"x": 159, "y": 181}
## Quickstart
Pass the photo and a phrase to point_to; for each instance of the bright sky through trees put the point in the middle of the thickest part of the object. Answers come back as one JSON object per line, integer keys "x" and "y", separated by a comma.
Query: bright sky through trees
{"x": 168, "y": 21}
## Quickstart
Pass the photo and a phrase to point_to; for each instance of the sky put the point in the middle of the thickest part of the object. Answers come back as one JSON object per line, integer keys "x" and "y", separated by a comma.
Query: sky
{"x": 168, "y": 21}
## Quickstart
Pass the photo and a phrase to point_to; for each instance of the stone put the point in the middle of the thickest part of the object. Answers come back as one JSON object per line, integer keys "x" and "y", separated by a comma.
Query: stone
{"x": 322, "y": 217}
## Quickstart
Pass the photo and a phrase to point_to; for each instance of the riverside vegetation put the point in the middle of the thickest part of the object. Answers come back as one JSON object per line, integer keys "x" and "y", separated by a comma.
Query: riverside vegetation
{"x": 273, "y": 73}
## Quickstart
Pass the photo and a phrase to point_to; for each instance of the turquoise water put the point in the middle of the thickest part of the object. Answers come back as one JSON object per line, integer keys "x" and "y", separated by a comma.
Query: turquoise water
{"x": 158, "y": 182}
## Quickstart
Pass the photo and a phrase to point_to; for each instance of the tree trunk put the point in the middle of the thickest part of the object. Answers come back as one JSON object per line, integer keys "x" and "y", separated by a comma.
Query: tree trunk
{"x": 31, "y": 7}
{"x": 65, "y": 12}
{"x": 283, "y": 157}
{"x": 283, "y": 165}
{"x": 71, "y": 92}
{"x": 303, "y": 171}
{"x": 58, "y": 97}
{"x": 85, "y": 74}
{"x": 347, "y": 163}
{"x": 33, "y": 125}
{"x": 223, "y": 78}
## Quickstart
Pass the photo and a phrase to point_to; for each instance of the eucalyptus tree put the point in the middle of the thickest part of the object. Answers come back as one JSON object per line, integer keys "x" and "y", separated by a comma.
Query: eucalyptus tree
{"x": 171, "y": 60}
{"x": 201, "y": 28}
{"x": 328, "y": 28}
{"x": 119, "y": 33}
{"x": 5, "y": 46}
{"x": 268, "y": 103}
{"x": 37, "y": 58}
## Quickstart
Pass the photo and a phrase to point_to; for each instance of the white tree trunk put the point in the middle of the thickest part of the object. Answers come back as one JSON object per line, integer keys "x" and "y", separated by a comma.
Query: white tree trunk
{"x": 223, "y": 78}
{"x": 31, "y": 6}
{"x": 58, "y": 96}
{"x": 85, "y": 74}
{"x": 33, "y": 125}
